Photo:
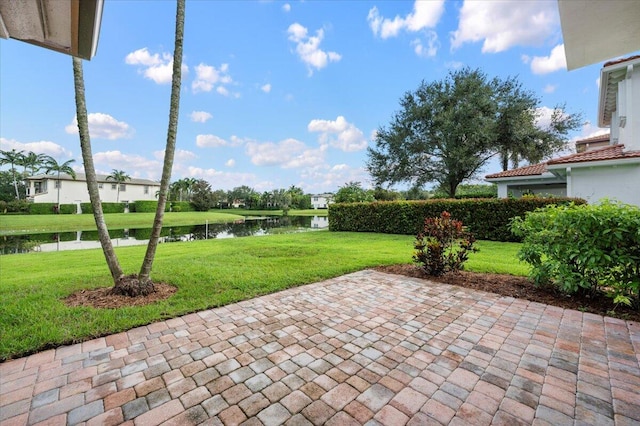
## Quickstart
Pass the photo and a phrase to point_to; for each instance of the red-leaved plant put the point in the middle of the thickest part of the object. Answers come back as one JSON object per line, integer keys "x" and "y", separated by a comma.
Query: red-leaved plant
{"x": 443, "y": 245}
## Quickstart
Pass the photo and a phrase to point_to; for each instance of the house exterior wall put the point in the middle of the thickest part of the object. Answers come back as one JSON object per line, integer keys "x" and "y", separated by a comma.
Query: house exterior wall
{"x": 320, "y": 201}
{"x": 73, "y": 191}
{"x": 555, "y": 190}
{"x": 621, "y": 182}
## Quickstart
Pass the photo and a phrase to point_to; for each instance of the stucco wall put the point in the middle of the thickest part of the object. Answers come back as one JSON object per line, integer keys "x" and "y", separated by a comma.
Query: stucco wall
{"x": 74, "y": 191}
{"x": 620, "y": 183}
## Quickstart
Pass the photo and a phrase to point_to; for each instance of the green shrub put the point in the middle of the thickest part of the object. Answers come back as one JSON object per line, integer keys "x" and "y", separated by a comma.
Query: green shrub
{"x": 443, "y": 245}
{"x": 3, "y": 206}
{"x": 181, "y": 206}
{"x": 147, "y": 206}
{"x": 588, "y": 249}
{"x": 68, "y": 208}
{"x": 18, "y": 206}
{"x": 487, "y": 219}
{"x": 41, "y": 208}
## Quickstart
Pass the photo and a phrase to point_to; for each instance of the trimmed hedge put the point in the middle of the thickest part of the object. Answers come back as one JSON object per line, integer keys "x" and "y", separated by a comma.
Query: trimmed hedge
{"x": 50, "y": 208}
{"x": 143, "y": 206}
{"x": 106, "y": 208}
{"x": 487, "y": 219}
{"x": 181, "y": 206}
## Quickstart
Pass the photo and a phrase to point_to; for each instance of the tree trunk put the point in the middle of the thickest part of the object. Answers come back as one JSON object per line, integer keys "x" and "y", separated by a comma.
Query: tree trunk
{"x": 170, "y": 148}
{"x": 89, "y": 169}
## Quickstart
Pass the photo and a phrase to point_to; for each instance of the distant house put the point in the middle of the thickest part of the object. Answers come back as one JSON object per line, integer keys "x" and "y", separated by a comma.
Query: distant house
{"x": 321, "y": 201}
{"x": 604, "y": 167}
{"x": 44, "y": 189}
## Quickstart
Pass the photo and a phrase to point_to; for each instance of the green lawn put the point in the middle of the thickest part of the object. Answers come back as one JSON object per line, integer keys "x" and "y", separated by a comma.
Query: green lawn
{"x": 33, "y": 224}
{"x": 207, "y": 273}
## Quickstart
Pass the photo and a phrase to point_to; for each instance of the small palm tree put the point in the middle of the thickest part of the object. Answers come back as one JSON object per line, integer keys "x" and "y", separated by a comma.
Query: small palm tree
{"x": 32, "y": 163}
{"x": 119, "y": 177}
{"x": 13, "y": 158}
{"x": 51, "y": 165}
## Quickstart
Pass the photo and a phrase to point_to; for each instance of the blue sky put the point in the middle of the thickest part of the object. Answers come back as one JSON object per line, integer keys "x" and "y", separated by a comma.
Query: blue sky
{"x": 275, "y": 93}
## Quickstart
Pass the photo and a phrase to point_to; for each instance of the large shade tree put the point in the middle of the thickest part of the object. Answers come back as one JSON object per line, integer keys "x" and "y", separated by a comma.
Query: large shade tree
{"x": 447, "y": 130}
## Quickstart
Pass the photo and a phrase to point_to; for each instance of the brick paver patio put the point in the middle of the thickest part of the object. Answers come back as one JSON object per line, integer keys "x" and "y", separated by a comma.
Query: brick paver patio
{"x": 364, "y": 348}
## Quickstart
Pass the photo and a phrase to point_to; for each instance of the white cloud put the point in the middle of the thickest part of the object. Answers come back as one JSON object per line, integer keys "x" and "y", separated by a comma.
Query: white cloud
{"x": 180, "y": 155}
{"x": 549, "y": 88}
{"x": 209, "y": 77}
{"x": 430, "y": 49}
{"x": 324, "y": 176}
{"x": 135, "y": 165}
{"x": 230, "y": 163}
{"x": 287, "y": 154}
{"x": 286, "y": 7}
{"x": 425, "y": 14}
{"x": 589, "y": 130}
{"x": 157, "y": 67}
{"x": 102, "y": 126}
{"x": 210, "y": 141}
{"x": 547, "y": 64}
{"x": 220, "y": 179}
{"x": 266, "y": 88}
{"x": 39, "y": 147}
{"x": 200, "y": 116}
{"x": 504, "y": 24}
{"x": 339, "y": 134}
{"x": 308, "y": 48}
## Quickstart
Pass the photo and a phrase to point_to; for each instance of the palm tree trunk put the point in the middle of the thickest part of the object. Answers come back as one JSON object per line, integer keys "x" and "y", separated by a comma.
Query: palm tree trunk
{"x": 90, "y": 171}
{"x": 170, "y": 148}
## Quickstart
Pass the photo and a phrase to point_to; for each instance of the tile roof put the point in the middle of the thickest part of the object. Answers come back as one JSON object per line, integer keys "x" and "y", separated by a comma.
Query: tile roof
{"x": 621, "y": 60}
{"x": 532, "y": 170}
{"x": 612, "y": 152}
{"x": 594, "y": 139}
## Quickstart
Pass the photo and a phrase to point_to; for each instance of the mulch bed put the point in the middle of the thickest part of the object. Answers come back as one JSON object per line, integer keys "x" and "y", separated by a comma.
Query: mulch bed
{"x": 522, "y": 288}
{"x": 102, "y": 297}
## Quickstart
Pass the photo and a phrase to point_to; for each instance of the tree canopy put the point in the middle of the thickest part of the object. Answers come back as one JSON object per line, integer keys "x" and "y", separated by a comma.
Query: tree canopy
{"x": 447, "y": 130}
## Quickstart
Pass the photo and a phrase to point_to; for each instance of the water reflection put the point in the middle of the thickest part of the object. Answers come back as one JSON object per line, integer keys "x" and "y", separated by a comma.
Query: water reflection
{"x": 81, "y": 240}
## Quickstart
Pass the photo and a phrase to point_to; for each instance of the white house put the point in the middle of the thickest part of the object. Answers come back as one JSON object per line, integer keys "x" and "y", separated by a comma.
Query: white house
{"x": 44, "y": 189}
{"x": 610, "y": 171}
{"x": 321, "y": 201}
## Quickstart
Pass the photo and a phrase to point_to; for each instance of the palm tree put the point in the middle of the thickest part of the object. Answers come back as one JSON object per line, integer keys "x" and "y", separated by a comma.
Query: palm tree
{"x": 92, "y": 181}
{"x": 51, "y": 165}
{"x": 13, "y": 158}
{"x": 119, "y": 177}
{"x": 189, "y": 185}
{"x": 169, "y": 152}
{"x": 32, "y": 162}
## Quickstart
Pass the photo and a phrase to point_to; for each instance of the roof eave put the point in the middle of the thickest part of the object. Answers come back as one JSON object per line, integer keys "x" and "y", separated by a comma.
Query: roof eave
{"x": 595, "y": 163}
{"x": 543, "y": 176}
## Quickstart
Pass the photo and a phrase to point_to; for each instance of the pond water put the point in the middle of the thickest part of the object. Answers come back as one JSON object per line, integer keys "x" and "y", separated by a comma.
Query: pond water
{"x": 80, "y": 240}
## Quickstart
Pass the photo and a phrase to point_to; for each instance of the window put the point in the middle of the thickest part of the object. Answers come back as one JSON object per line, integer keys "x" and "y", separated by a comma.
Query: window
{"x": 58, "y": 184}
{"x": 100, "y": 185}
{"x": 114, "y": 186}
{"x": 123, "y": 187}
{"x": 146, "y": 189}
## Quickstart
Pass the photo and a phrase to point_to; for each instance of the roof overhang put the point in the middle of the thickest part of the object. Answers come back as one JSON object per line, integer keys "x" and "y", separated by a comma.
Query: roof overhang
{"x": 67, "y": 26}
{"x": 545, "y": 177}
{"x": 600, "y": 163}
{"x": 595, "y": 31}
{"x": 610, "y": 76}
